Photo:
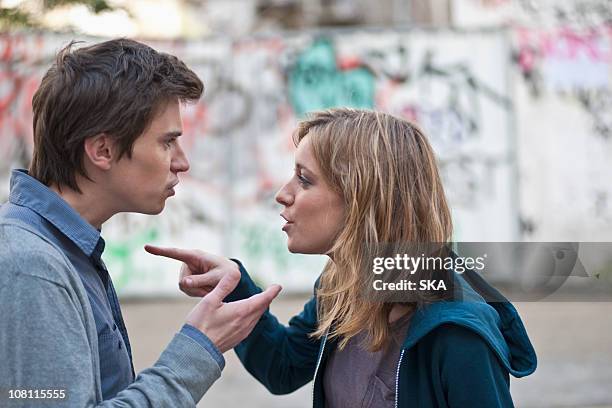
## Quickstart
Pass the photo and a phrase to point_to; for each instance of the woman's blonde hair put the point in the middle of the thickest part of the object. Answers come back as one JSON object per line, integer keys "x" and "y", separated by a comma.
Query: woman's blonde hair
{"x": 386, "y": 172}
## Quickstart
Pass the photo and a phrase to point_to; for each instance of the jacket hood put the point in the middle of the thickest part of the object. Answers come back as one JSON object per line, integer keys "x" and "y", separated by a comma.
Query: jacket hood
{"x": 494, "y": 319}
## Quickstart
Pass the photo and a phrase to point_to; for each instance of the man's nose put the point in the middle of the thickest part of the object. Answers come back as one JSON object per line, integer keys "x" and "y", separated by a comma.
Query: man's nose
{"x": 180, "y": 163}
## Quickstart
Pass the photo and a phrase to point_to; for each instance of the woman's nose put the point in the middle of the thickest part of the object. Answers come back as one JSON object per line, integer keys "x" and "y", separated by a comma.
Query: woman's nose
{"x": 284, "y": 196}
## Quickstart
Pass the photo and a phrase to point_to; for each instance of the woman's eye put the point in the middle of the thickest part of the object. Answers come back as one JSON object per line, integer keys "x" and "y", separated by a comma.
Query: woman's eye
{"x": 303, "y": 180}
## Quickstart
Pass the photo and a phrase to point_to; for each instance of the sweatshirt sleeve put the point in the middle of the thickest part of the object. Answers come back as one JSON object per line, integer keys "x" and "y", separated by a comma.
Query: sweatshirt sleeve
{"x": 282, "y": 358}
{"x": 471, "y": 375}
{"x": 44, "y": 345}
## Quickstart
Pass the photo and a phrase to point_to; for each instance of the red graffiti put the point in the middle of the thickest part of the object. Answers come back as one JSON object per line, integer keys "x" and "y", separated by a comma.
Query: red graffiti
{"x": 564, "y": 43}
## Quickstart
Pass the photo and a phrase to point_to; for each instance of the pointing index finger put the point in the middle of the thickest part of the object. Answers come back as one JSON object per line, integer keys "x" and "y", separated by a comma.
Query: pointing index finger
{"x": 187, "y": 256}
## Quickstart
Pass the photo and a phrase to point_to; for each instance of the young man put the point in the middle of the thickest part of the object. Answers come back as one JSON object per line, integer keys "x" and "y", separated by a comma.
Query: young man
{"x": 106, "y": 140}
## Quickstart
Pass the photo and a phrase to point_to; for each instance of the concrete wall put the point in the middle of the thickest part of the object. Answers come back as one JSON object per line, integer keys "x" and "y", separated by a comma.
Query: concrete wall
{"x": 519, "y": 118}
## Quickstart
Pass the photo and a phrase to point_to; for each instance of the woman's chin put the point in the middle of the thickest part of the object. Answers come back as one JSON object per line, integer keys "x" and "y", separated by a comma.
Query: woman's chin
{"x": 297, "y": 249}
{"x": 294, "y": 247}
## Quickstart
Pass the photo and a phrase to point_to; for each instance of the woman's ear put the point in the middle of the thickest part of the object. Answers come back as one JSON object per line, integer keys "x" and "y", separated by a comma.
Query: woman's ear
{"x": 100, "y": 151}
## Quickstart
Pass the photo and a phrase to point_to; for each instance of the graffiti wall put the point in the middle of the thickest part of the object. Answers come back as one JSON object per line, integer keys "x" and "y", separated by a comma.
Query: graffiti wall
{"x": 430, "y": 78}
{"x": 485, "y": 99}
{"x": 561, "y": 74}
{"x": 563, "y": 93}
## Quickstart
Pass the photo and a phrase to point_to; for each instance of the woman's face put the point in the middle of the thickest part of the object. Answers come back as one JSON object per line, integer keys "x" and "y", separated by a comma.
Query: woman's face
{"x": 313, "y": 211}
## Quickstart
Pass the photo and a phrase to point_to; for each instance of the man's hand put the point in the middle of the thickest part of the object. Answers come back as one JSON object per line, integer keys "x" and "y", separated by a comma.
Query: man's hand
{"x": 225, "y": 324}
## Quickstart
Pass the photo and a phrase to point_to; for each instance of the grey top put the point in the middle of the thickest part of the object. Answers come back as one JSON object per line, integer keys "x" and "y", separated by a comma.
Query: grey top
{"x": 48, "y": 337}
{"x": 34, "y": 204}
{"x": 357, "y": 378}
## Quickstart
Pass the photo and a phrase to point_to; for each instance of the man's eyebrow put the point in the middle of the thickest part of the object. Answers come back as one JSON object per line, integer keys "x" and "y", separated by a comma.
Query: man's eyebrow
{"x": 174, "y": 133}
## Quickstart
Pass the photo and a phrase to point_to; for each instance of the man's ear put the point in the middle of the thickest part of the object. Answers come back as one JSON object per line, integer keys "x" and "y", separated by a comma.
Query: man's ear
{"x": 100, "y": 150}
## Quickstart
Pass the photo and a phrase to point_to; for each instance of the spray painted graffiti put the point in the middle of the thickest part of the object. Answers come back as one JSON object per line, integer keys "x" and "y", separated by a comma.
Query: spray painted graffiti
{"x": 221, "y": 93}
{"x": 569, "y": 61}
{"x": 582, "y": 13}
{"x": 238, "y": 137}
{"x": 20, "y": 72}
{"x": 563, "y": 51}
{"x": 119, "y": 256}
{"x": 599, "y": 104}
{"x": 262, "y": 242}
{"x": 468, "y": 178}
{"x": 457, "y": 116}
{"x": 317, "y": 82}
{"x": 566, "y": 58}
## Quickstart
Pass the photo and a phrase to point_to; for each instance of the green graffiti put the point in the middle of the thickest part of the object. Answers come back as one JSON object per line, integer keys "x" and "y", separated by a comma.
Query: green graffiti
{"x": 260, "y": 243}
{"x": 119, "y": 256}
{"x": 315, "y": 82}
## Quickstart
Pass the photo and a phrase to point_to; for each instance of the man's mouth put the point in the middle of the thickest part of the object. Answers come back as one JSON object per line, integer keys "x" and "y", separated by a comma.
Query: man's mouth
{"x": 170, "y": 189}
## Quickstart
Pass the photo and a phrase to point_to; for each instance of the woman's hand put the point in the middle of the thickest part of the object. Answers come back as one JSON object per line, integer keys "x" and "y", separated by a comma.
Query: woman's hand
{"x": 200, "y": 271}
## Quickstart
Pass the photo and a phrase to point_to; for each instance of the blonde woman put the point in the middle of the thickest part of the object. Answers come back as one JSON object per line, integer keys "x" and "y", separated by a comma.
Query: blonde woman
{"x": 363, "y": 178}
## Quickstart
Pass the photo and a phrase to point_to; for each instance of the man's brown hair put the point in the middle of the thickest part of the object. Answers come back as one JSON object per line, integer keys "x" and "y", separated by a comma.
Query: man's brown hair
{"x": 115, "y": 87}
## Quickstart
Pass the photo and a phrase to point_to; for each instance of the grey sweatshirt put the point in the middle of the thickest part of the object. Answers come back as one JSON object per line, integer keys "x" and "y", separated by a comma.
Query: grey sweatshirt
{"x": 48, "y": 338}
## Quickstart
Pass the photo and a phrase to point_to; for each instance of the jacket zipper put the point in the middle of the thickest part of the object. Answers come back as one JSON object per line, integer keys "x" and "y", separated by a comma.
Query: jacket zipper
{"x": 397, "y": 372}
{"x": 314, "y": 379}
{"x": 399, "y": 364}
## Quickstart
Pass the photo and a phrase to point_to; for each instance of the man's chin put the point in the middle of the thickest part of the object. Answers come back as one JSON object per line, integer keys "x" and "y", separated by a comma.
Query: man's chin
{"x": 152, "y": 210}
{"x": 156, "y": 212}
{"x": 160, "y": 208}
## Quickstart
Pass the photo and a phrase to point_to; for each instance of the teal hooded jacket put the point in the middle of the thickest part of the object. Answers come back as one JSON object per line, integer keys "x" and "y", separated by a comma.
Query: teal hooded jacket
{"x": 456, "y": 353}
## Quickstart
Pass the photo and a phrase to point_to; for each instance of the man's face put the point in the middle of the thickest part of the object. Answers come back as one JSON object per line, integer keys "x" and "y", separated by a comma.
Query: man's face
{"x": 143, "y": 182}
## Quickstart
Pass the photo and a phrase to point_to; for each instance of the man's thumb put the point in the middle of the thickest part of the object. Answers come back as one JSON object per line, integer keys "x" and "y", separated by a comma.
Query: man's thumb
{"x": 262, "y": 300}
{"x": 225, "y": 286}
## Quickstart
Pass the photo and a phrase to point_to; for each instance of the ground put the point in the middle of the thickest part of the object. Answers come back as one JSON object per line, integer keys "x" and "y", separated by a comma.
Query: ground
{"x": 573, "y": 342}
